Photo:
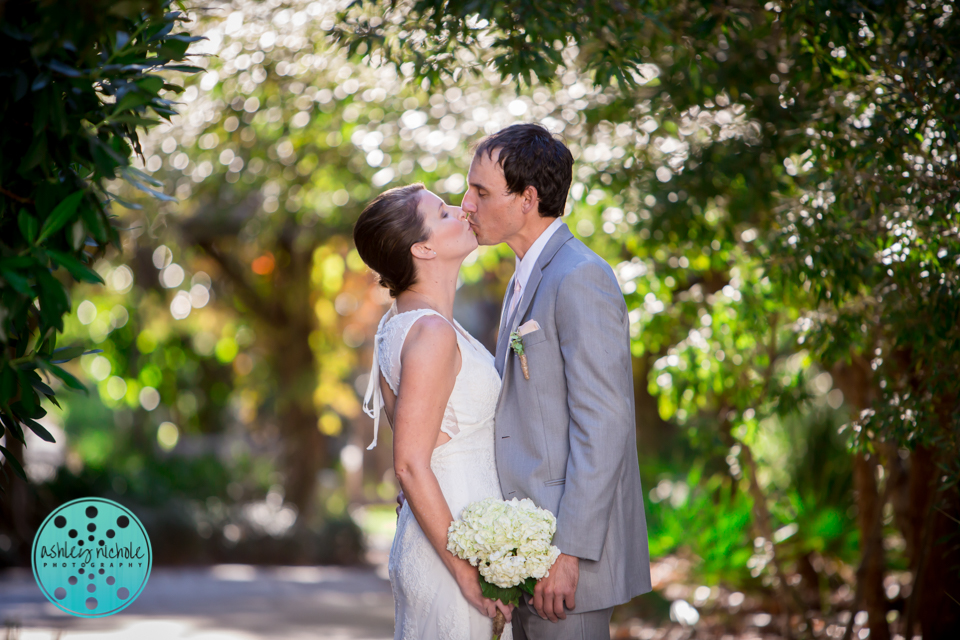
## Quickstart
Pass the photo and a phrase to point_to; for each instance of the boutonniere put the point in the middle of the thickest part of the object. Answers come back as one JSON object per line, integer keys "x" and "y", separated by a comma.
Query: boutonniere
{"x": 516, "y": 343}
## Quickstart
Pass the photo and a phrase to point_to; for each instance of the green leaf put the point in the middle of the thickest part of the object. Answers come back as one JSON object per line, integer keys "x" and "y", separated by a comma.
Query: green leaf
{"x": 59, "y": 67}
{"x": 35, "y": 154}
{"x": 20, "y": 284}
{"x": 131, "y": 118}
{"x": 42, "y": 387}
{"x": 10, "y": 422}
{"x": 58, "y": 117}
{"x": 529, "y": 585}
{"x": 40, "y": 82}
{"x": 122, "y": 202}
{"x": 159, "y": 195}
{"x": 151, "y": 84}
{"x": 130, "y": 101}
{"x": 516, "y": 343}
{"x": 54, "y": 303}
{"x": 506, "y": 596}
{"x": 173, "y": 49}
{"x": 68, "y": 378}
{"x": 94, "y": 224}
{"x": 184, "y": 68}
{"x": 28, "y": 225}
{"x": 63, "y": 212}
{"x": 40, "y": 430}
{"x": 65, "y": 354}
{"x": 80, "y": 271}
{"x": 184, "y": 37}
{"x": 13, "y": 462}
{"x": 132, "y": 173}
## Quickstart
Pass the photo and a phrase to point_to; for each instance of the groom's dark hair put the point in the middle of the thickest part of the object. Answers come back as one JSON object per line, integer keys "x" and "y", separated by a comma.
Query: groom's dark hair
{"x": 532, "y": 157}
{"x": 384, "y": 233}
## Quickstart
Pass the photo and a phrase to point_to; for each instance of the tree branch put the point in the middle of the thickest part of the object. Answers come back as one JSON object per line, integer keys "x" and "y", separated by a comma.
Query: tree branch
{"x": 268, "y": 310}
{"x": 14, "y": 196}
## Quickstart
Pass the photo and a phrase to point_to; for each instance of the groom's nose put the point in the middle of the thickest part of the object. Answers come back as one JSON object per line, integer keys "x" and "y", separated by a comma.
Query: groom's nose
{"x": 468, "y": 205}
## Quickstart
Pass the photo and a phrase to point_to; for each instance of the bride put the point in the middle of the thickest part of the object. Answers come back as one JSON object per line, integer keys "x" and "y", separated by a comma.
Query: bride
{"x": 439, "y": 389}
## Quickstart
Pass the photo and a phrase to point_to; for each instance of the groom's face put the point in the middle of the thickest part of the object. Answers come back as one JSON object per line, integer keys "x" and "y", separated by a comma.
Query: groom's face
{"x": 494, "y": 213}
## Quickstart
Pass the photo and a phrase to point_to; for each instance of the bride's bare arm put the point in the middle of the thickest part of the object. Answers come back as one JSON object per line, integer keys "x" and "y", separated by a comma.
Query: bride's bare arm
{"x": 430, "y": 362}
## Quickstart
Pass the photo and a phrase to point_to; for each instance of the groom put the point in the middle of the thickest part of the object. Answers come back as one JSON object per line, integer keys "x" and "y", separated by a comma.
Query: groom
{"x": 566, "y": 437}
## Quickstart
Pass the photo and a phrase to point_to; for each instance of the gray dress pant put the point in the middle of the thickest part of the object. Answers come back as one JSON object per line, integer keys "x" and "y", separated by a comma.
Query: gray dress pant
{"x": 592, "y": 625}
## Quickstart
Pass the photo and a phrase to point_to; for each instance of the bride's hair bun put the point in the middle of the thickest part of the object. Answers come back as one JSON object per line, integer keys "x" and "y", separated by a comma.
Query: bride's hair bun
{"x": 384, "y": 233}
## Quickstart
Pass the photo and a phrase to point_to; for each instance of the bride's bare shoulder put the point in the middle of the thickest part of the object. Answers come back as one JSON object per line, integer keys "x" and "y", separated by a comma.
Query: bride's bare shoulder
{"x": 431, "y": 337}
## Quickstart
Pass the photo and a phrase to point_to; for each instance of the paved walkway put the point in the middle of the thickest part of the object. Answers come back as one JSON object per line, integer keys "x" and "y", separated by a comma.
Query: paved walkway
{"x": 223, "y": 602}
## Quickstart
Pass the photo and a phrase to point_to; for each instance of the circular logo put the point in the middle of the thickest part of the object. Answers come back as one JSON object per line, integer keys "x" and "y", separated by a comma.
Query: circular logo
{"x": 91, "y": 557}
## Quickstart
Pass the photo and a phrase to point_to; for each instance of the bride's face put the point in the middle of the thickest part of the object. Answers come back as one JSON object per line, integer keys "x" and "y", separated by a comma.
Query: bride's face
{"x": 449, "y": 232}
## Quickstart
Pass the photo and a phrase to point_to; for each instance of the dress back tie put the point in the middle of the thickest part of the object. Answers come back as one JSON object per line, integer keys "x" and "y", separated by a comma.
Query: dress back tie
{"x": 373, "y": 398}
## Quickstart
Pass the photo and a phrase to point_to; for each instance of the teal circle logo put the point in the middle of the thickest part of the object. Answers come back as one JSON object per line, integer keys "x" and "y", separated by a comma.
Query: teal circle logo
{"x": 91, "y": 557}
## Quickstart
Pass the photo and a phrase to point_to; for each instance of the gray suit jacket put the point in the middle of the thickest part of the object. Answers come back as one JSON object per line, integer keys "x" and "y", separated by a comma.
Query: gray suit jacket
{"x": 566, "y": 437}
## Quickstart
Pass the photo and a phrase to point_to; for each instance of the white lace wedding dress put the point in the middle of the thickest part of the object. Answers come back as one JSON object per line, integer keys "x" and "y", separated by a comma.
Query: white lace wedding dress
{"x": 429, "y": 604}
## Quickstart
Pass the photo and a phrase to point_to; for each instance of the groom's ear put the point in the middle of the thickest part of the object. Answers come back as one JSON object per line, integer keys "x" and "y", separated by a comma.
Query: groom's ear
{"x": 529, "y": 200}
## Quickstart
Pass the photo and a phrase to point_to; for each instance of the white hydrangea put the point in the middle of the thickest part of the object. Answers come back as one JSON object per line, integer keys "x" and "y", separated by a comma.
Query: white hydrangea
{"x": 508, "y": 541}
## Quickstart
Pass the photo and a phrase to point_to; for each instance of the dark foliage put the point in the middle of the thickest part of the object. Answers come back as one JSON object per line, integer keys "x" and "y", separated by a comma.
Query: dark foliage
{"x": 81, "y": 81}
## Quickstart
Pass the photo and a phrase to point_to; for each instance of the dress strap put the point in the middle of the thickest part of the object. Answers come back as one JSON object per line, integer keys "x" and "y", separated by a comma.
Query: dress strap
{"x": 373, "y": 398}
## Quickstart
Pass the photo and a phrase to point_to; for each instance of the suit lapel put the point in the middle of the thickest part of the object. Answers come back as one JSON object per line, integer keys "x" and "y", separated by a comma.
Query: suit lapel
{"x": 502, "y": 335}
{"x": 560, "y": 237}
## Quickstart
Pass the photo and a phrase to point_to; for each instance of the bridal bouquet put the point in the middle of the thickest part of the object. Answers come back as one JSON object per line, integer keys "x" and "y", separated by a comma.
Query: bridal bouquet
{"x": 510, "y": 543}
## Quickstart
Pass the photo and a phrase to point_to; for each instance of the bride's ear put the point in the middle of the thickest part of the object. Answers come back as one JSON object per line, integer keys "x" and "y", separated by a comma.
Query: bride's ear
{"x": 422, "y": 251}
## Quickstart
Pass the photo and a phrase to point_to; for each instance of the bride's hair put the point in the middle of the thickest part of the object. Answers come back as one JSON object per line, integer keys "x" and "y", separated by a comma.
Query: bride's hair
{"x": 384, "y": 233}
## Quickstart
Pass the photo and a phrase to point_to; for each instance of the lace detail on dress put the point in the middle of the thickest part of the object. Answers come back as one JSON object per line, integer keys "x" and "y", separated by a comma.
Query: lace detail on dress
{"x": 474, "y": 397}
{"x": 416, "y": 550}
{"x": 449, "y": 626}
{"x": 386, "y": 357}
{"x": 429, "y": 604}
{"x": 390, "y": 339}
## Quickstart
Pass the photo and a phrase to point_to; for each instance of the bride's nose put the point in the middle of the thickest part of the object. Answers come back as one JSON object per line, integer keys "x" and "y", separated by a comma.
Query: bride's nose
{"x": 461, "y": 214}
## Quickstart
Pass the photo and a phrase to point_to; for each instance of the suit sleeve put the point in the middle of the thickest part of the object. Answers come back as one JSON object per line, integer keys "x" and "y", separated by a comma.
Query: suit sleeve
{"x": 592, "y": 326}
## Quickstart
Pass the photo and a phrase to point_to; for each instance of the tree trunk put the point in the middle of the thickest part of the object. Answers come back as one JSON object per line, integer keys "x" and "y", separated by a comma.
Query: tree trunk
{"x": 854, "y": 379}
{"x": 922, "y": 487}
{"x": 17, "y": 503}
{"x": 933, "y": 552}
{"x": 789, "y": 601}
{"x": 655, "y": 436}
{"x": 286, "y": 319}
{"x": 870, "y": 575}
{"x": 304, "y": 447}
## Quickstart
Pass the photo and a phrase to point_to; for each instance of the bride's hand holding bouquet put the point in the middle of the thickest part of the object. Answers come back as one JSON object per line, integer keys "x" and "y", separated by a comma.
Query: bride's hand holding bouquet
{"x": 510, "y": 543}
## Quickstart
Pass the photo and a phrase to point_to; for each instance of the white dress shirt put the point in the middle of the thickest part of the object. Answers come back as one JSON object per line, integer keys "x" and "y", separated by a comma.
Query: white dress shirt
{"x": 525, "y": 266}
